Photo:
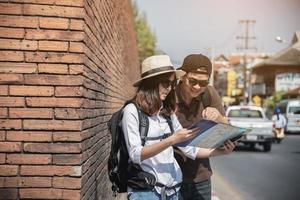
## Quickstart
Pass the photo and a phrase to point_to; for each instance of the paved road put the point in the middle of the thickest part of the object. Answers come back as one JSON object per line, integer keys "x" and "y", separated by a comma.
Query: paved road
{"x": 257, "y": 175}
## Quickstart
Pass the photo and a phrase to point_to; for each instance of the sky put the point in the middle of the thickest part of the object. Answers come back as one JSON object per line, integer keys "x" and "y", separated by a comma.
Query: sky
{"x": 211, "y": 26}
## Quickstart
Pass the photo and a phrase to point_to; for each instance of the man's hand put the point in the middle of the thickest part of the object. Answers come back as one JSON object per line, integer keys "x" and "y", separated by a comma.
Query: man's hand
{"x": 213, "y": 114}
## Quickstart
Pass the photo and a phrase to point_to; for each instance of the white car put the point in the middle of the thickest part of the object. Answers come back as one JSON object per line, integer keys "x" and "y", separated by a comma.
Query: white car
{"x": 291, "y": 110}
{"x": 252, "y": 117}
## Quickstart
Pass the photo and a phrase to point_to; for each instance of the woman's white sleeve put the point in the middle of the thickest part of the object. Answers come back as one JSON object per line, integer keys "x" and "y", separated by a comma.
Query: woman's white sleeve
{"x": 130, "y": 126}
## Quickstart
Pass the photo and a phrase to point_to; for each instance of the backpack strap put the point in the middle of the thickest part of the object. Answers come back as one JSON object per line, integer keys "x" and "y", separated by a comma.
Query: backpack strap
{"x": 144, "y": 126}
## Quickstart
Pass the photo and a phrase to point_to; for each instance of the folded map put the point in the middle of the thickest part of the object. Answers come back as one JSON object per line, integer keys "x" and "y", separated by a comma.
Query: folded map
{"x": 213, "y": 135}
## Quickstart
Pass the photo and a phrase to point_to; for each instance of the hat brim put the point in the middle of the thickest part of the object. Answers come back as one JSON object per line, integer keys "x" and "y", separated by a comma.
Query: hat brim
{"x": 178, "y": 73}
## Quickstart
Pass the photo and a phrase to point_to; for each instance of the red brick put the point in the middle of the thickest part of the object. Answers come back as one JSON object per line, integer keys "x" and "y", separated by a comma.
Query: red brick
{"x": 18, "y": 21}
{"x": 3, "y": 90}
{"x": 67, "y": 113}
{"x": 53, "y": 68}
{"x": 25, "y": 182}
{"x": 66, "y": 182}
{"x": 52, "y": 148}
{"x": 54, "y": 23}
{"x": 12, "y": 32}
{"x": 53, "y": 57}
{"x": 10, "y": 124}
{"x": 52, "y": 125}
{"x": 67, "y": 159}
{"x": 28, "y": 159}
{"x": 33, "y": 34}
{"x": 11, "y": 56}
{"x": 2, "y": 135}
{"x": 67, "y": 136}
{"x": 8, "y": 8}
{"x": 18, "y": 44}
{"x": 76, "y": 69}
{"x": 11, "y": 101}
{"x": 31, "y": 90}
{"x": 53, "y": 102}
{"x": 53, "y": 46}
{"x": 31, "y": 136}
{"x": 31, "y": 113}
{"x": 51, "y": 170}
{"x": 8, "y": 170}
{"x": 55, "y": 11}
{"x": 76, "y": 47}
{"x": 11, "y": 78}
{"x": 24, "y": 68}
{"x": 3, "y": 113}
{"x": 8, "y": 193}
{"x": 69, "y": 91}
{"x": 77, "y": 24}
{"x": 10, "y": 146}
{"x": 2, "y": 160}
{"x": 52, "y": 80}
{"x": 49, "y": 193}
{"x": 76, "y": 3}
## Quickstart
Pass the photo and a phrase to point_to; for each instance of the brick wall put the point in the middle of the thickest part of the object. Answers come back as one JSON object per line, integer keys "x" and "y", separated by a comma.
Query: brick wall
{"x": 65, "y": 66}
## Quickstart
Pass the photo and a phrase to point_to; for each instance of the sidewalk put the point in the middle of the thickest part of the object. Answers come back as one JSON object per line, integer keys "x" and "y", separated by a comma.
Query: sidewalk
{"x": 214, "y": 196}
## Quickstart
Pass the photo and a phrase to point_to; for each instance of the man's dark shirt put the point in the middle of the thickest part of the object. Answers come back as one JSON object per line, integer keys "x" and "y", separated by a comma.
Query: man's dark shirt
{"x": 195, "y": 170}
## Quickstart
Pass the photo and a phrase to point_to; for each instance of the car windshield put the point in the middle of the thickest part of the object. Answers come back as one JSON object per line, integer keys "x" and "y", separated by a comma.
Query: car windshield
{"x": 245, "y": 113}
{"x": 294, "y": 110}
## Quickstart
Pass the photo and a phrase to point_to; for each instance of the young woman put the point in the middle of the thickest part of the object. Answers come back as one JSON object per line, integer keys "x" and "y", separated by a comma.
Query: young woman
{"x": 156, "y": 97}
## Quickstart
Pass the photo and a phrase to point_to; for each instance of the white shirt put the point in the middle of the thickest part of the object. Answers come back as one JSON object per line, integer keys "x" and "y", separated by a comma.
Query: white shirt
{"x": 163, "y": 165}
{"x": 279, "y": 123}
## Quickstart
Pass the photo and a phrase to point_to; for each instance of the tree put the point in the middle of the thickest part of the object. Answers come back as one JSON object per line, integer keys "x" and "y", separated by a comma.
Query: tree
{"x": 146, "y": 39}
{"x": 272, "y": 101}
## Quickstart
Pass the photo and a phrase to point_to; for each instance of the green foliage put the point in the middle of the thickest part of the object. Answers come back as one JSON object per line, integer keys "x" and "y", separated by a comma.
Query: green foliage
{"x": 272, "y": 101}
{"x": 146, "y": 39}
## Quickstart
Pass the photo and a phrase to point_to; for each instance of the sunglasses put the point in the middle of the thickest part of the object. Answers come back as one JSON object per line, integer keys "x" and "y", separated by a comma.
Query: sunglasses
{"x": 167, "y": 83}
{"x": 201, "y": 83}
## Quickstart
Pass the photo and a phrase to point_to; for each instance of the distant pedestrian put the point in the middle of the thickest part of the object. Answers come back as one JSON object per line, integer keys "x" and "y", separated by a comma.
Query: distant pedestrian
{"x": 279, "y": 122}
{"x": 197, "y": 100}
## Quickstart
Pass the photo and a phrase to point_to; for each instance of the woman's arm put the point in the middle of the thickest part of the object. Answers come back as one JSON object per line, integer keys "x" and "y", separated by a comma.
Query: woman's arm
{"x": 226, "y": 149}
{"x": 179, "y": 136}
{"x": 137, "y": 152}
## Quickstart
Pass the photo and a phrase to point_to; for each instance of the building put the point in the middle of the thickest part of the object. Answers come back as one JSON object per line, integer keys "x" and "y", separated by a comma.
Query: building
{"x": 280, "y": 72}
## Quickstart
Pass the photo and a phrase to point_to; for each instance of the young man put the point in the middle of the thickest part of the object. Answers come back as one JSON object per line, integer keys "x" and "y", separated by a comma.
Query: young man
{"x": 197, "y": 100}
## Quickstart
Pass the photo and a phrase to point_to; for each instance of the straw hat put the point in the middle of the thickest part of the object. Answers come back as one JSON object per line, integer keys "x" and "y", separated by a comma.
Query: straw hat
{"x": 157, "y": 65}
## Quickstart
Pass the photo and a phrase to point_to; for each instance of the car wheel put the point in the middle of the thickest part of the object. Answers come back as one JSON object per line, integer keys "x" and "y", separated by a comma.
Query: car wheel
{"x": 267, "y": 146}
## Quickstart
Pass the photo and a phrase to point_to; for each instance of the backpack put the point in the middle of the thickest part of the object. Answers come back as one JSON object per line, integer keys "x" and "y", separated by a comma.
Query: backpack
{"x": 121, "y": 172}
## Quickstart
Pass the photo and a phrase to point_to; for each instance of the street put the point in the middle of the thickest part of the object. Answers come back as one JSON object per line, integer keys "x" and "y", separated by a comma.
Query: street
{"x": 256, "y": 175}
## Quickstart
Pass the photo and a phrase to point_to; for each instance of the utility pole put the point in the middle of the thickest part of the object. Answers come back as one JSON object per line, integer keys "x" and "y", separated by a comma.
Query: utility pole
{"x": 246, "y": 37}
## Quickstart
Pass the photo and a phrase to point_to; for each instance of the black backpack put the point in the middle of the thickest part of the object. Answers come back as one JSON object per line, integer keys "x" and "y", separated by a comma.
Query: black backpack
{"x": 121, "y": 172}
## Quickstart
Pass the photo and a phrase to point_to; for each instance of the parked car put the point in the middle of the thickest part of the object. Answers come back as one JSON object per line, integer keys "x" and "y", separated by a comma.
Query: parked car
{"x": 291, "y": 110}
{"x": 252, "y": 117}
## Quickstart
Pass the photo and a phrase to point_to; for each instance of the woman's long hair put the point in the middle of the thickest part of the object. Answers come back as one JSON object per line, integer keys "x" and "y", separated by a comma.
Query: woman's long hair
{"x": 147, "y": 96}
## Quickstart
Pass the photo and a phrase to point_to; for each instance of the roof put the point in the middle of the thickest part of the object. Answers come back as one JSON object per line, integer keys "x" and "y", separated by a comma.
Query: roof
{"x": 289, "y": 56}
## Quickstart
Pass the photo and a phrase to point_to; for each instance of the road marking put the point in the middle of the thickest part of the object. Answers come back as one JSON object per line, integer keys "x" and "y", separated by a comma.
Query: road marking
{"x": 223, "y": 189}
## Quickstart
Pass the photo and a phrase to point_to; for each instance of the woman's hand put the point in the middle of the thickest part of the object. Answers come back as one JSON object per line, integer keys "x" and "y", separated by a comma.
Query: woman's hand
{"x": 182, "y": 135}
{"x": 227, "y": 148}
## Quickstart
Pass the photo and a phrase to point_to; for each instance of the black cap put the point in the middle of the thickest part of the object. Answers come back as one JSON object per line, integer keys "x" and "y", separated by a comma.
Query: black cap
{"x": 197, "y": 63}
